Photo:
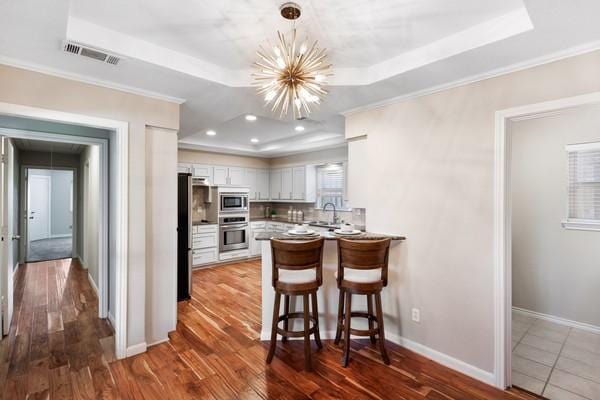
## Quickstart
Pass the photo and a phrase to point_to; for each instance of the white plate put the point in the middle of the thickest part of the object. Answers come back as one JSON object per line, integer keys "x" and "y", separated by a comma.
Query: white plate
{"x": 350, "y": 233}
{"x": 307, "y": 232}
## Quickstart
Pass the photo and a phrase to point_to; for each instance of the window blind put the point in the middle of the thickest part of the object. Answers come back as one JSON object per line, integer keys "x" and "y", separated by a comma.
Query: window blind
{"x": 330, "y": 185}
{"x": 584, "y": 181}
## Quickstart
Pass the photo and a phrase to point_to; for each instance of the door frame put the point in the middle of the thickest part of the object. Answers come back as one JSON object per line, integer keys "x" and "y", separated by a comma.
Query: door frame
{"x": 503, "y": 222}
{"x": 24, "y": 226}
{"x": 121, "y": 166}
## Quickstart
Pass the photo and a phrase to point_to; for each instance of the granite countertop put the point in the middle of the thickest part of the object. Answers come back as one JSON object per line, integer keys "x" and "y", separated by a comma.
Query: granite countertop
{"x": 309, "y": 222}
{"x": 327, "y": 236}
{"x": 194, "y": 223}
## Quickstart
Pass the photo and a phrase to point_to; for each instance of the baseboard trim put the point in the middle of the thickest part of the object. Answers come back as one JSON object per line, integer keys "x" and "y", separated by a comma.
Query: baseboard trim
{"x": 136, "y": 349}
{"x": 93, "y": 284}
{"x": 158, "y": 342}
{"x": 558, "y": 320}
{"x": 437, "y": 356}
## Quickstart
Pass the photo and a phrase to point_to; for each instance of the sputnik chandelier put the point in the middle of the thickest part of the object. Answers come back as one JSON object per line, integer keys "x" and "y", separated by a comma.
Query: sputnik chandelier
{"x": 291, "y": 75}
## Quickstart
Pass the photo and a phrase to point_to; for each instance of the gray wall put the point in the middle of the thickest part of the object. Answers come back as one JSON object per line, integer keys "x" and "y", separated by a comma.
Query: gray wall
{"x": 555, "y": 271}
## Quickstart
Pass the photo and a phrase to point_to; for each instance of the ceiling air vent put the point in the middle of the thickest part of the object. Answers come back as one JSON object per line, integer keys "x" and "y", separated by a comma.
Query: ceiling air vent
{"x": 98, "y": 55}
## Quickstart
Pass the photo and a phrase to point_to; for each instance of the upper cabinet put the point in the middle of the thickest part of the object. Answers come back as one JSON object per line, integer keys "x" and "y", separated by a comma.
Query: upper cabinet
{"x": 262, "y": 184}
{"x": 228, "y": 176}
{"x": 294, "y": 184}
{"x": 287, "y": 184}
{"x": 202, "y": 171}
{"x": 275, "y": 184}
{"x": 250, "y": 181}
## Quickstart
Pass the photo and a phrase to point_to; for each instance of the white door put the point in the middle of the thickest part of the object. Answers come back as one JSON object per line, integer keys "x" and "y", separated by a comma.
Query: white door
{"x": 286, "y": 184}
{"x": 220, "y": 176}
{"x": 38, "y": 196}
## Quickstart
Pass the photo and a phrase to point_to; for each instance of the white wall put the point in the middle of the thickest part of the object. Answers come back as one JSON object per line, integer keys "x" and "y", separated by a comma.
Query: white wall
{"x": 312, "y": 157}
{"x": 555, "y": 271}
{"x": 431, "y": 178}
{"x": 90, "y": 190}
{"x": 161, "y": 233}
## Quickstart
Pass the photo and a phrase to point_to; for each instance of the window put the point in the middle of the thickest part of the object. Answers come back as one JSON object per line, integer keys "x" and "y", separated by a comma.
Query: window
{"x": 331, "y": 185}
{"x": 584, "y": 186}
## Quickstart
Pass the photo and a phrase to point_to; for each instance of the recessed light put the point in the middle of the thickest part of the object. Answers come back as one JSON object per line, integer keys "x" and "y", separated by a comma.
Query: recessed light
{"x": 299, "y": 128}
{"x": 211, "y": 133}
{"x": 250, "y": 117}
{"x": 254, "y": 140}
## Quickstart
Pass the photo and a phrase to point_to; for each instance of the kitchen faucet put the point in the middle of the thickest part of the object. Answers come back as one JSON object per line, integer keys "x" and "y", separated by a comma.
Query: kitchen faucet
{"x": 334, "y": 212}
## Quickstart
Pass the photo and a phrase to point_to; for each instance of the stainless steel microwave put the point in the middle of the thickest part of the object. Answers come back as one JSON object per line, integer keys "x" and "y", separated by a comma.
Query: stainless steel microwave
{"x": 233, "y": 202}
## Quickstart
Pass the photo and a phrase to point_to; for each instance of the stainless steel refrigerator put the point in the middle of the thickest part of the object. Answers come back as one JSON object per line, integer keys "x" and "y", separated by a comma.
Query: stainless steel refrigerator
{"x": 184, "y": 237}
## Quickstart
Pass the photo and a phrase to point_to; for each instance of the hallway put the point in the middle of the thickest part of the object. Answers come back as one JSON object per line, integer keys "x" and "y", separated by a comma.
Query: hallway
{"x": 57, "y": 345}
{"x": 50, "y": 249}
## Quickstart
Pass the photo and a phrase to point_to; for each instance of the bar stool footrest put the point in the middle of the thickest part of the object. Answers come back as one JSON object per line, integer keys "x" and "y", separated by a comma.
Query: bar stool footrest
{"x": 295, "y": 315}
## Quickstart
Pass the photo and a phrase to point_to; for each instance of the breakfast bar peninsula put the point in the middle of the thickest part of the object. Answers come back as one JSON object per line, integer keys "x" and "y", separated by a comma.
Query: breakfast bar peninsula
{"x": 328, "y": 292}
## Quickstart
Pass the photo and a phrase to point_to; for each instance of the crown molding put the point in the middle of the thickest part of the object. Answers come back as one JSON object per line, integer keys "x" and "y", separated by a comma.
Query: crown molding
{"x": 11, "y": 62}
{"x": 561, "y": 55}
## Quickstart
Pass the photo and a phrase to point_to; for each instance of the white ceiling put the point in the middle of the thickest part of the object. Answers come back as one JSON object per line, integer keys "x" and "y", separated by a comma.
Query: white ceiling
{"x": 227, "y": 33}
{"x": 199, "y": 51}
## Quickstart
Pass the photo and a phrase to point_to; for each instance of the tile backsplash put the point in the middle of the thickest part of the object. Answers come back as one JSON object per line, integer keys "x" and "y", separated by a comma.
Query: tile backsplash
{"x": 356, "y": 216}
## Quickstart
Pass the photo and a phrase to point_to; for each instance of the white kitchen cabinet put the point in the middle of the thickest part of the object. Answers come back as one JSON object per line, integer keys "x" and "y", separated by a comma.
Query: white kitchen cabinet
{"x": 184, "y": 168}
{"x": 228, "y": 176}
{"x": 202, "y": 171}
{"x": 220, "y": 176}
{"x": 255, "y": 245}
{"x": 250, "y": 180}
{"x": 299, "y": 183}
{"x": 262, "y": 184}
{"x": 235, "y": 175}
{"x": 205, "y": 243}
{"x": 287, "y": 184}
{"x": 275, "y": 184}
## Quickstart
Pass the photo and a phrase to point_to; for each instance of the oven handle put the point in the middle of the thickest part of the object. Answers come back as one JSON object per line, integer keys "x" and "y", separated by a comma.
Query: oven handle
{"x": 234, "y": 226}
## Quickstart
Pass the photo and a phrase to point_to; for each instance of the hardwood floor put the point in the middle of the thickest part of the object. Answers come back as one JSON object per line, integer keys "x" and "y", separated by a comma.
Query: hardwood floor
{"x": 55, "y": 350}
{"x": 57, "y": 346}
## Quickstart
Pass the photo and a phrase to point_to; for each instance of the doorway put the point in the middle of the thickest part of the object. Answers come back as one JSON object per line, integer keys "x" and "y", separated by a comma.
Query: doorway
{"x": 49, "y": 213}
{"x": 114, "y": 257}
{"x": 542, "y": 324}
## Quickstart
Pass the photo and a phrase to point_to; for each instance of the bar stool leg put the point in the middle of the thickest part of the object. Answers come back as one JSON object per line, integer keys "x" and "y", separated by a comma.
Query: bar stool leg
{"x": 286, "y": 311}
{"x": 274, "y": 327}
{"x": 370, "y": 311}
{"x": 380, "y": 329}
{"x": 348, "y": 315}
{"x": 338, "y": 332}
{"x": 315, "y": 312}
{"x": 307, "y": 358}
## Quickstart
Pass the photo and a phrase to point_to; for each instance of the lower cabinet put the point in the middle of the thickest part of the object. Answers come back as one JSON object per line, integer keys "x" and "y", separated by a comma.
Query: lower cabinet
{"x": 205, "y": 245}
{"x": 204, "y": 256}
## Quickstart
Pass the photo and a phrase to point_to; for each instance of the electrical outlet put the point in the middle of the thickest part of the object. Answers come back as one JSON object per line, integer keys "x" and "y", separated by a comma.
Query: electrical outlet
{"x": 416, "y": 315}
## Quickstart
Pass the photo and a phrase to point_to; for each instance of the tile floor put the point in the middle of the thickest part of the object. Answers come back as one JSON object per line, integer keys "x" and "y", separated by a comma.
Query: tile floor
{"x": 556, "y": 361}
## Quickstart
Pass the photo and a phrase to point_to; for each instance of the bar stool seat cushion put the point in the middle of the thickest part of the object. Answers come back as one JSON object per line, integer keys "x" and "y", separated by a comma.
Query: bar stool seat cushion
{"x": 361, "y": 275}
{"x": 298, "y": 276}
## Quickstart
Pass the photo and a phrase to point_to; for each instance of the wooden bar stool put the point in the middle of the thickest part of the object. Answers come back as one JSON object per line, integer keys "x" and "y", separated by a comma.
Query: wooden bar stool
{"x": 297, "y": 271}
{"x": 362, "y": 270}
